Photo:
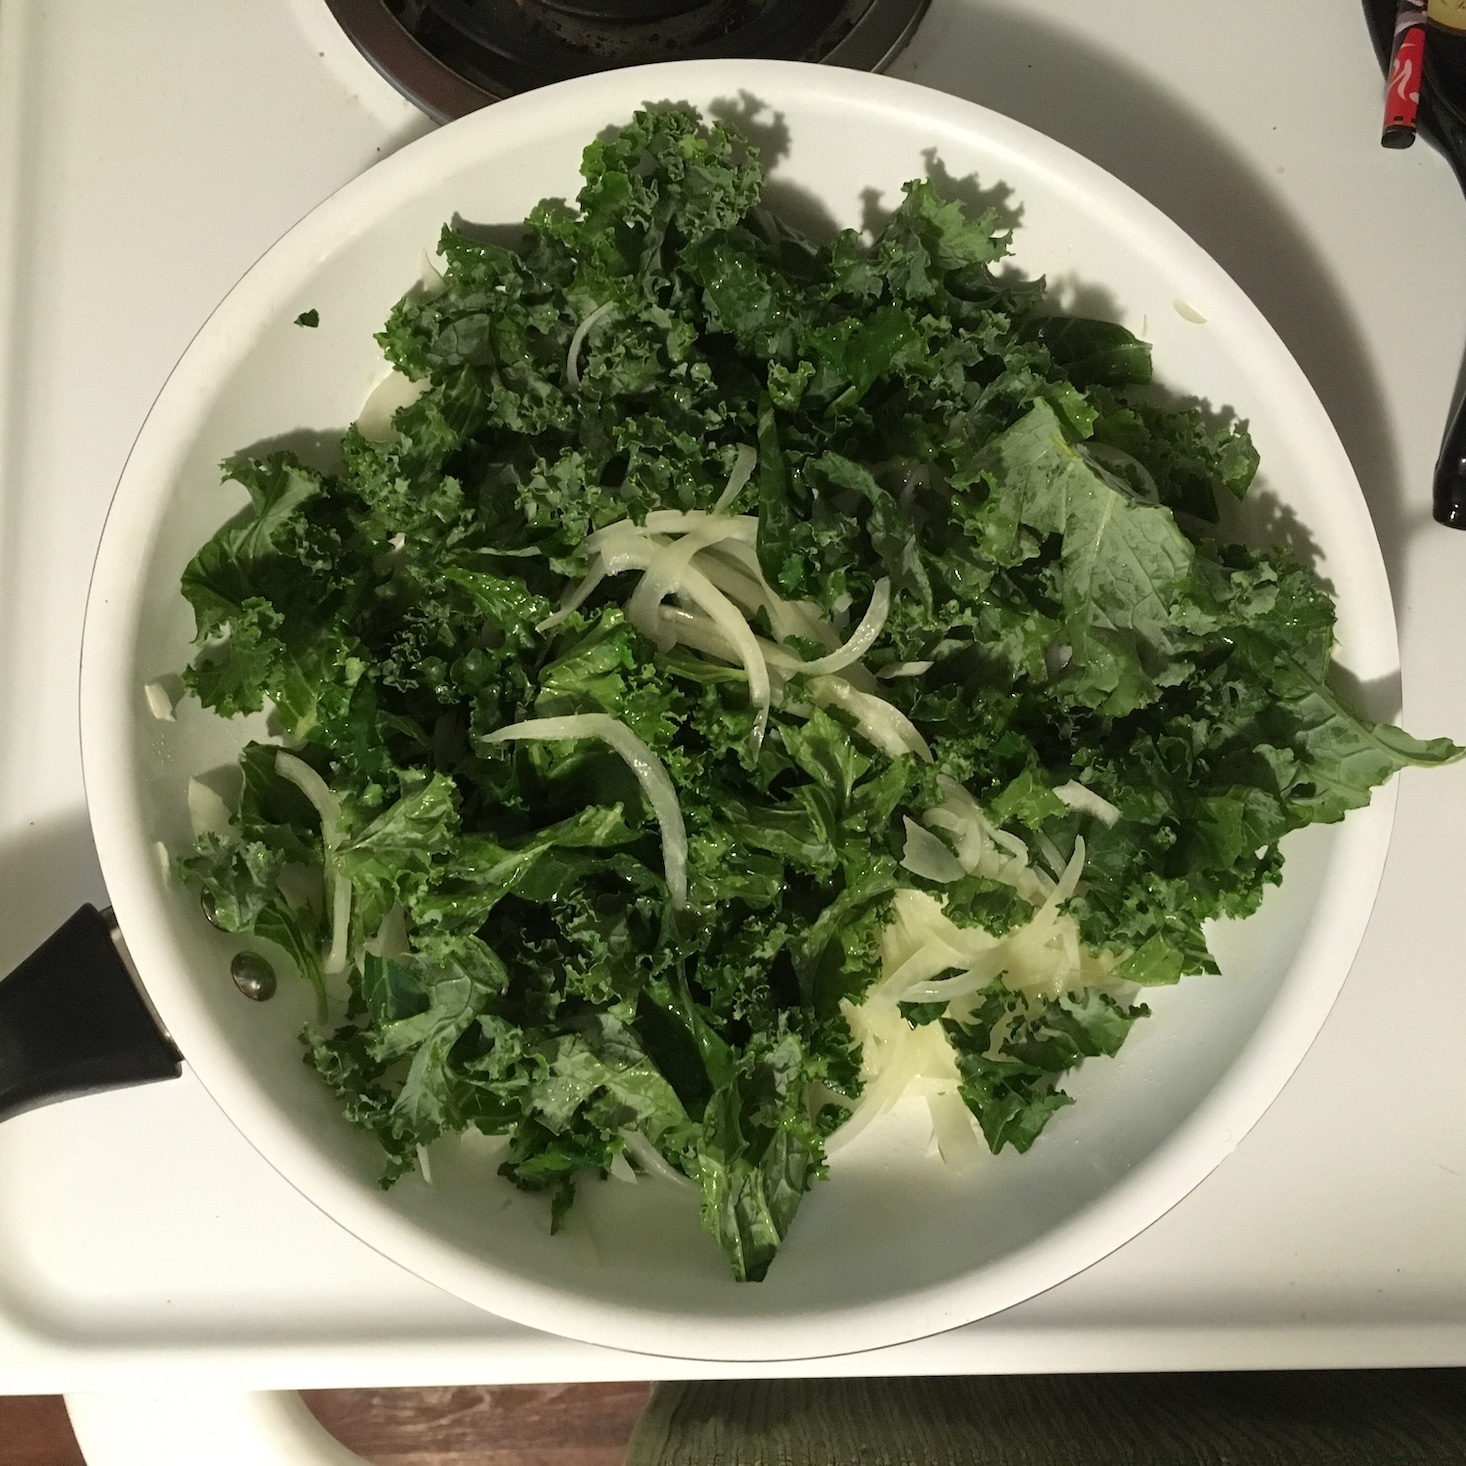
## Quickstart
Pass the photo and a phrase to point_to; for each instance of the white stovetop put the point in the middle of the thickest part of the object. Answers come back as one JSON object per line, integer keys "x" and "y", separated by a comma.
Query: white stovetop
{"x": 149, "y": 152}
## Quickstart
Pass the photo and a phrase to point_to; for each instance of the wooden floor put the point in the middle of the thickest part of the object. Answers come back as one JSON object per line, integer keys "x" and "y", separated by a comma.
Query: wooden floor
{"x": 504, "y": 1425}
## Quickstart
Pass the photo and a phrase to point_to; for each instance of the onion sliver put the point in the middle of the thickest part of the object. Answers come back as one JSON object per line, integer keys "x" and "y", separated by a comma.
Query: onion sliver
{"x": 861, "y": 639}
{"x": 929, "y": 961}
{"x": 979, "y": 843}
{"x": 742, "y": 527}
{"x": 652, "y": 1161}
{"x": 374, "y": 421}
{"x": 620, "y": 546}
{"x": 340, "y": 923}
{"x": 650, "y": 772}
{"x": 1069, "y": 881}
{"x": 207, "y": 812}
{"x": 687, "y": 628}
{"x": 573, "y": 602}
{"x": 328, "y": 807}
{"x": 743, "y": 467}
{"x": 1086, "y": 801}
{"x": 1050, "y": 854}
{"x": 927, "y": 856}
{"x": 572, "y": 356}
{"x": 698, "y": 589}
{"x": 733, "y": 580}
{"x": 971, "y": 979}
{"x": 887, "y": 727}
{"x": 314, "y": 787}
{"x": 667, "y": 570}
{"x": 786, "y": 618}
{"x": 953, "y": 1128}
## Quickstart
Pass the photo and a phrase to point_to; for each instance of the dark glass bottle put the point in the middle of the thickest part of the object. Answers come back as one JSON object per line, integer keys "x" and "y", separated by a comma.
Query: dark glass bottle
{"x": 1445, "y": 85}
{"x": 1445, "y": 54}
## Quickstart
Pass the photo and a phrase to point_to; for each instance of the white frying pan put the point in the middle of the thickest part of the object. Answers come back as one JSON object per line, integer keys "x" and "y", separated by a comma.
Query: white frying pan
{"x": 893, "y": 1246}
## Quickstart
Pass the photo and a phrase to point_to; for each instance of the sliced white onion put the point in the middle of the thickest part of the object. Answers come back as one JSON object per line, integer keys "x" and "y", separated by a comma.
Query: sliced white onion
{"x": 1043, "y": 956}
{"x": 572, "y": 356}
{"x": 787, "y": 665}
{"x": 394, "y": 391}
{"x": 615, "y": 549}
{"x": 620, "y": 1169}
{"x": 1086, "y": 801}
{"x": 160, "y": 701}
{"x": 207, "y": 812}
{"x": 576, "y": 598}
{"x": 1050, "y": 854}
{"x": 1069, "y": 881}
{"x": 668, "y": 569}
{"x": 905, "y": 669}
{"x": 786, "y": 618}
{"x": 430, "y": 277}
{"x": 340, "y": 923}
{"x": 743, "y": 467}
{"x": 698, "y": 589}
{"x": 733, "y": 580}
{"x": 328, "y": 807}
{"x": 971, "y": 838}
{"x": 953, "y": 1127}
{"x": 968, "y": 981}
{"x": 390, "y": 941}
{"x": 982, "y": 848}
{"x": 883, "y": 725}
{"x": 1009, "y": 842}
{"x": 425, "y": 1164}
{"x": 894, "y": 1057}
{"x": 650, "y": 772}
{"x": 652, "y": 1161}
{"x": 912, "y": 980}
{"x": 928, "y": 857}
{"x": 921, "y": 941}
{"x": 740, "y": 527}
{"x": 314, "y": 787}
{"x": 861, "y": 639}
{"x": 888, "y": 1065}
{"x": 728, "y": 587}
{"x": 689, "y": 628}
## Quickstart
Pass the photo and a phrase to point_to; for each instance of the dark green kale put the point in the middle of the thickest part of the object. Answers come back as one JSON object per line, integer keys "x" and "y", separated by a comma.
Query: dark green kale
{"x": 515, "y": 963}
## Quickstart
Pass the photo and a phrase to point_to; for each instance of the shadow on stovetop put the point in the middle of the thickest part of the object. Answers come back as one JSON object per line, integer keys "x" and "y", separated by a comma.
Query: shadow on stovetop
{"x": 1034, "y": 71}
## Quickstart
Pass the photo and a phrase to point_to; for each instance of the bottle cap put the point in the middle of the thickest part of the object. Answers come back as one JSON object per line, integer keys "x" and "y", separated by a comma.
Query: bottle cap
{"x": 1449, "y": 505}
{"x": 1450, "y": 14}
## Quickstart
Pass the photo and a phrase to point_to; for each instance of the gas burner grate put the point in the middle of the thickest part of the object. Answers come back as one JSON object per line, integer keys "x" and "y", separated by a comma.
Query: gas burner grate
{"x": 455, "y": 56}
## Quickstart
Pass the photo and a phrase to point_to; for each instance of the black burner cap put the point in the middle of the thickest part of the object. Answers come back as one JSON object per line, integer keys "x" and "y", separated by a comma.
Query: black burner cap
{"x": 454, "y": 56}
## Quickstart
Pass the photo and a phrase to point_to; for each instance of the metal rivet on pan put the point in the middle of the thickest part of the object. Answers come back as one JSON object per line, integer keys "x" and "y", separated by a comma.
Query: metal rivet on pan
{"x": 253, "y": 976}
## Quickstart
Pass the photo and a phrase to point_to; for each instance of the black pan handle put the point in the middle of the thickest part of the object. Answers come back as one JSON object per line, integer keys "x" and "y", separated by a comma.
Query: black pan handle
{"x": 73, "y": 1020}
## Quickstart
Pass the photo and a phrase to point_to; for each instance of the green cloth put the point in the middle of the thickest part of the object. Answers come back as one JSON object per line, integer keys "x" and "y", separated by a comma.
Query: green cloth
{"x": 1305, "y": 1418}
